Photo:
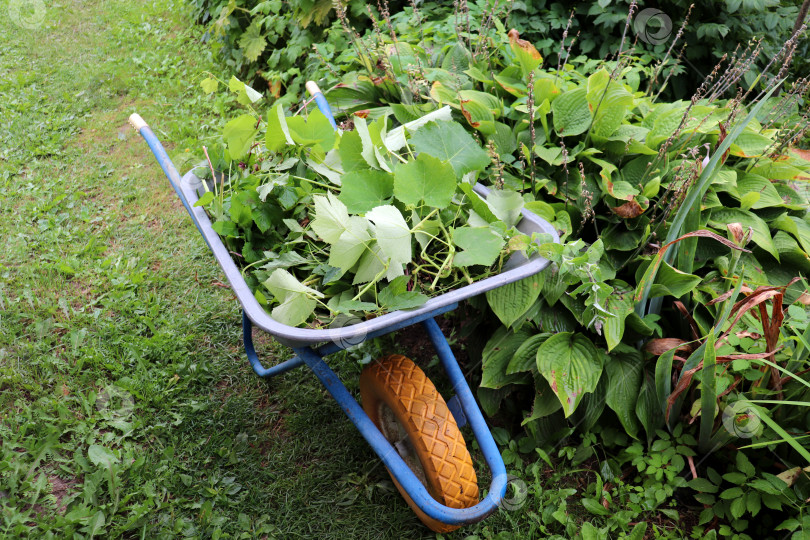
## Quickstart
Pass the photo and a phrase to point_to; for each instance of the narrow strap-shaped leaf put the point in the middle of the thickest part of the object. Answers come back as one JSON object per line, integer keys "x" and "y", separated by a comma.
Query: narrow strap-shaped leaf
{"x": 695, "y": 195}
{"x": 708, "y": 396}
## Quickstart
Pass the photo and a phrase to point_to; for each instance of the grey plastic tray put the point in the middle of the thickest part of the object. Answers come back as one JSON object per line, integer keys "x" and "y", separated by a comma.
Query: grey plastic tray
{"x": 516, "y": 268}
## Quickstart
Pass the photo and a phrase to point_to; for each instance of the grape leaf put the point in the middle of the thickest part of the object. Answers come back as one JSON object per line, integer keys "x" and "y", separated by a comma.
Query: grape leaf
{"x": 425, "y": 179}
{"x": 238, "y": 134}
{"x": 363, "y": 190}
{"x": 480, "y": 244}
{"x": 450, "y": 142}
{"x": 392, "y": 234}
{"x": 297, "y": 301}
{"x": 506, "y": 205}
{"x": 397, "y": 296}
{"x": 351, "y": 244}
{"x": 315, "y": 130}
{"x": 277, "y": 134}
{"x": 331, "y": 217}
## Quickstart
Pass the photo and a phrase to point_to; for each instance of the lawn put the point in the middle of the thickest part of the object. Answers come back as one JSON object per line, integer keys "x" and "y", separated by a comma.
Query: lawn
{"x": 127, "y": 406}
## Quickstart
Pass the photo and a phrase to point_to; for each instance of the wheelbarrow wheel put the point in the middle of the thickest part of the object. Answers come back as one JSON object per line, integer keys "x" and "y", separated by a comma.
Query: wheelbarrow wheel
{"x": 409, "y": 411}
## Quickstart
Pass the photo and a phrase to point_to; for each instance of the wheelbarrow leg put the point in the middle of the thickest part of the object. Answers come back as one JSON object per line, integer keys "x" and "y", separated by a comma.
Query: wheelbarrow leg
{"x": 255, "y": 363}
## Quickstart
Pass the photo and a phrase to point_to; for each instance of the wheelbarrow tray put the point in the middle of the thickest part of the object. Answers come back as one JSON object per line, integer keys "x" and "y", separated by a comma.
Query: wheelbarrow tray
{"x": 515, "y": 269}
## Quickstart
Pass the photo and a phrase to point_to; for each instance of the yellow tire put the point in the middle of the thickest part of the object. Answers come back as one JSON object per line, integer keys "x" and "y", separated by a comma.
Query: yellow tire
{"x": 403, "y": 403}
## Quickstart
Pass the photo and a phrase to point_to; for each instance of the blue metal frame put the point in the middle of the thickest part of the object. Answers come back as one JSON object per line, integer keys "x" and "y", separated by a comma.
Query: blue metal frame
{"x": 314, "y": 359}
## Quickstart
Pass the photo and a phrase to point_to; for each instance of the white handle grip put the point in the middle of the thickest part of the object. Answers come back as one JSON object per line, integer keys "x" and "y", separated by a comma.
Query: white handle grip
{"x": 137, "y": 122}
{"x": 312, "y": 88}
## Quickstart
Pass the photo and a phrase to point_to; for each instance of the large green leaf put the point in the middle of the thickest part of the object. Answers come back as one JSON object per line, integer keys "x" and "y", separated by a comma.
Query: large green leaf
{"x": 572, "y": 113}
{"x": 670, "y": 281}
{"x": 239, "y": 134}
{"x": 313, "y": 130}
{"x": 297, "y": 301}
{"x": 525, "y": 358}
{"x": 393, "y": 235}
{"x": 720, "y": 217}
{"x": 572, "y": 366}
{"x": 512, "y": 300}
{"x": 362, "y": 190}
{"x": 648, "y": 407}
{"x": 351, "y": 152}
{"x": 545, "y": 402}
{"x": 795, "y": 226}
{"x": 506, "y": 205}
{"x": 450, "y": 142}
{"x": 351, "y": 244}
{"x": 331, "y": 217}
{"x": 497, "y": 353}
{"x": 619, "y": 304}
{"x": 425, "y": 179}
{"x": 610, "y": 100}
{"x": 278, "y": 134}
{"x": 480, "y": 244}
{"x": 624, "y": 380}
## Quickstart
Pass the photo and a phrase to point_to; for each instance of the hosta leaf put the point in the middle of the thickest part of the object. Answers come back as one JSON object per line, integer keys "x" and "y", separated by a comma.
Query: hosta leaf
{"x": 512, "y": 300}
{"x": 572, "y": 114}
{"x": 425, "y": 179}
{"x": 545, "y": 402}
{"x": 331, "y": 217}
{"x": 720, "y": 217}
{"x": 624, "y": 380}
{"x": 497, "y": 353}
{"x": 392, "y": 234}
{"x": 755, "y": 184}
{"x": 363, "y": 190}
{"x": 506, "y": 205}
{"x": 673, "y": 282}
{"x": 648, "y": 407}
{"x": 351, "y": 244}
{"x": 620, "y": 305}
{"x": 450, "y": 142}
{"x": 750, "y": 144}
{"x": 525, "y": 358}
{"x": 572, "y": 366}
{"x": 480, "y": 244}
{"x": 239, "y": 134}
{"x": 795, "y": 226}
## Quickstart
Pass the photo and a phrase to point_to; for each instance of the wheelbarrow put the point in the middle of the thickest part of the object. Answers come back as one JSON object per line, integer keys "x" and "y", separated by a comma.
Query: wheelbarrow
{"x": 408, "y": 424}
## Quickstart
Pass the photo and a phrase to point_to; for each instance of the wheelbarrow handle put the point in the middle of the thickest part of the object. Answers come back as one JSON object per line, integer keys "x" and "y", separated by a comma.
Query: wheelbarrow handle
{"x": 320, "y": 100}
{"x": 164, "y": 161}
